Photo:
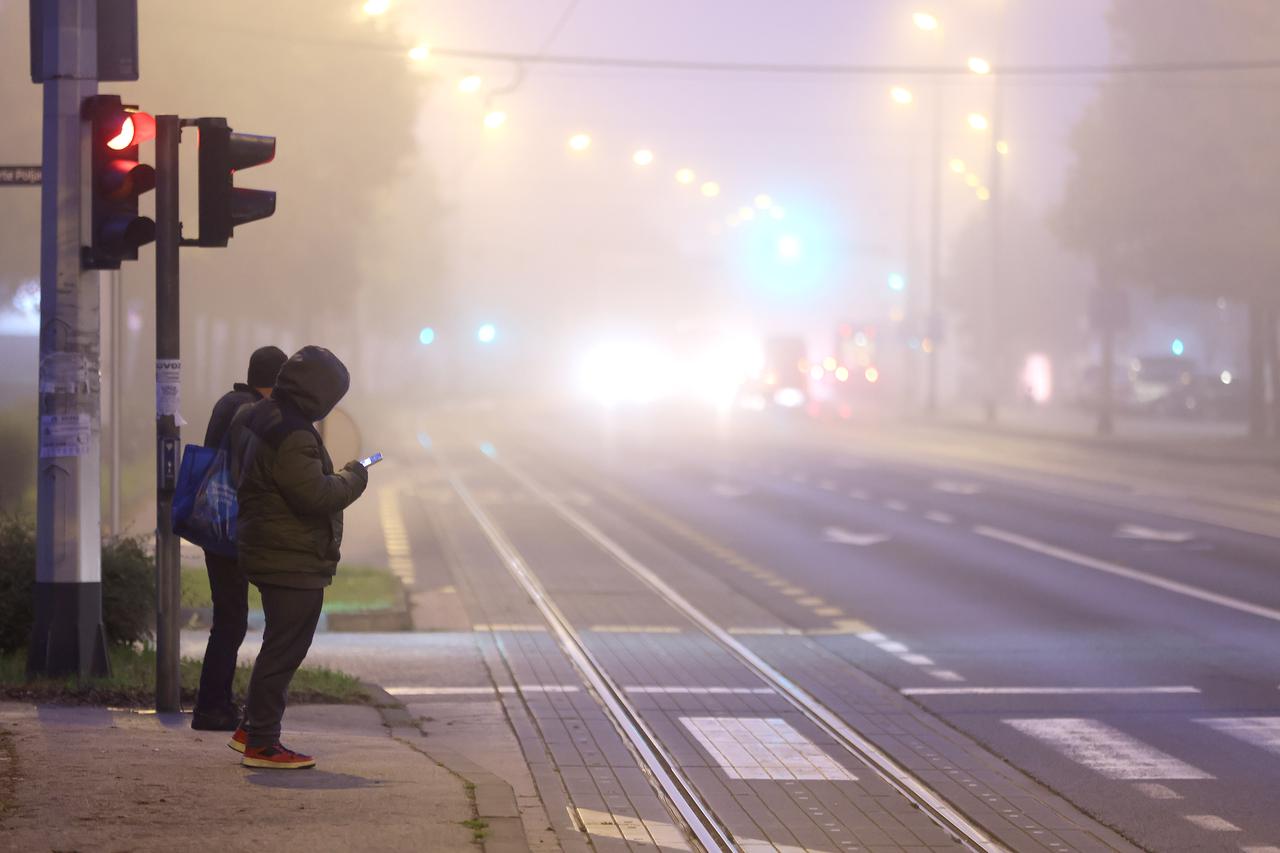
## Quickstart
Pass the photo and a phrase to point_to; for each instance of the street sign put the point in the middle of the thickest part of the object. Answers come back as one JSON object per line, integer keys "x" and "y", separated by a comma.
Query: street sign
{"x": 20, "y": 176}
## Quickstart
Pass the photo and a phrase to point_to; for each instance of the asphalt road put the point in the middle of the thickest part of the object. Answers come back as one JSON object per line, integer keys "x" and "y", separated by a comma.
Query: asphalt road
{"x": 1063, "y": 667}
{"x": 1127, "y": 659}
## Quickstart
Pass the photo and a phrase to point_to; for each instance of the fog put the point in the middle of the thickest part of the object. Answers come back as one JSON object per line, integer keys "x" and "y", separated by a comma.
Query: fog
{"x": 882, "y": 212}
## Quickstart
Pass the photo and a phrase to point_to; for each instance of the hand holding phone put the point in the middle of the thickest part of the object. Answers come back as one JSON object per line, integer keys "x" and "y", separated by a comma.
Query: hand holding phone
{"x": 370, "y": 461}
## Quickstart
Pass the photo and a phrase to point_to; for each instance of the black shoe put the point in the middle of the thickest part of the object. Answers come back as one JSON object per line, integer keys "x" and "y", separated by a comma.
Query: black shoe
{"x": 220, "y": 720}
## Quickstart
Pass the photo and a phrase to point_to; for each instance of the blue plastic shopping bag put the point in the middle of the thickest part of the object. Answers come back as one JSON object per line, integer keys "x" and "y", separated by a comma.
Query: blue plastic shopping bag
{"x": 204, "y": 501}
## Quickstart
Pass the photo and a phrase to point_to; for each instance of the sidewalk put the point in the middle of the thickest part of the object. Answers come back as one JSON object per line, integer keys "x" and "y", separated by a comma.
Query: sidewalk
{"x": 85, "y": 778}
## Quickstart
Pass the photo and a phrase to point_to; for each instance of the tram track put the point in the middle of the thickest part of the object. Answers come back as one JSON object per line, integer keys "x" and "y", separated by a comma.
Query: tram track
{"x": 695, "y": 815}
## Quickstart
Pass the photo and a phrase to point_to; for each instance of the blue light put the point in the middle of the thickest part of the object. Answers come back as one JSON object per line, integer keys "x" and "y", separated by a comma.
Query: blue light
{"x": 787, "y": 259}
{"x": 897, "y": 282}
{"x": 488, "y": 449}
{"x": 424, "y": 440}
{"x": 487, "y": 333}
{"x": 426, "y": 336}
{"x": 1177, "y": 347}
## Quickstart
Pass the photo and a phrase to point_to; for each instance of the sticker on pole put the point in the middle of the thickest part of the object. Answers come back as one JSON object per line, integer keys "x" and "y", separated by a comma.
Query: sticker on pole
{"x": 64, "y": 435}
{"x": 168, "y": 387}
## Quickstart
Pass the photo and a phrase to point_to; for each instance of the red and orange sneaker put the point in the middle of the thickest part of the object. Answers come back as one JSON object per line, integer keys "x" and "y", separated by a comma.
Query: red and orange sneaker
{"x": 239, "y": 740}
{"x": 277, "y": 756}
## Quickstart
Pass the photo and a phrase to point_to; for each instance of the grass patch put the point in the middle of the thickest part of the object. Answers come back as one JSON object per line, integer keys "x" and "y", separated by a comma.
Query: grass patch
{"x": 354, "y": 588}
{"x": 479, "y": 828}
{"x": 132, "y": 683}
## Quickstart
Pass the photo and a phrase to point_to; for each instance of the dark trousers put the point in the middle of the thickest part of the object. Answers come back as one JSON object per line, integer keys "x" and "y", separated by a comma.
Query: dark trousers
{"x": 292, "y": 615}
{"x": 230, "y": 590}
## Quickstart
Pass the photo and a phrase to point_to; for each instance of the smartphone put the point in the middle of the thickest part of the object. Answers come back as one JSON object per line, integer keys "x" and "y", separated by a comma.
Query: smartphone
{"x": 370, "y": 461}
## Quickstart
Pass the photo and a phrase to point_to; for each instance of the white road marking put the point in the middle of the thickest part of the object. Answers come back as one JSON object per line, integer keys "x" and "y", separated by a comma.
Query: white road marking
{"x": 844, "y": 537}
{"x": 515, "y": 627}
{"x": 1137, "y": 531}
{"x": 1212, "y": 822}
{"x": 946, "y": 675}
{"x": 423, "y": 690}
{"x": 1156, "y": 791}
{"x": 1126, "y": 572}
{"x": 728, "y": 490}
{"x": 827, "y": 485}
{"x": 1107, "y": 750}
{"x": 940, "y": 517}
{"x": 635, "y": 629}
{"x": 764, "y": 630}
{"x": 1260, "y": 848}
{"x": 956, "y": 487}
{"x": 918, "y": 660}
{"x": 872, "y": 636}
{"x": 700, "y": 691}
{"x": 395, "y": 537}
{"x": 763, "y": 748}
{"x": 893, "y": 647}
{"x": 646, "y": 833}
{"x": 896, "y": 506}
{"x": 859, "y": 494}
{"x": 1041, "y": 691}
{"x": 1262, "y": 732}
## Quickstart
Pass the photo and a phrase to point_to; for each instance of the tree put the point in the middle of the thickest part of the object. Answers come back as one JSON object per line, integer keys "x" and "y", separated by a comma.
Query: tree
{"x": 1176, "y": 185}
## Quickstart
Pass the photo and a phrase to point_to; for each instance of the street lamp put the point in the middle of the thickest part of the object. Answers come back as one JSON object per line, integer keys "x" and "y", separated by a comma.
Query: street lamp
{"x": 495, "y": 119}
{"x": 978, "y": 121}
{"x": 470, "y": 84}
{"x": 956, "y": 165}
{"x": 710, "y": 189}
{"x": 763, "y": 202}
{"x": 580, "y": 141}
{"x": 984, "y": 194}
{"x": 901, "y": 95}
{"x": 419, "y": 53}
{"x": 376, "y": 7}
{"x": 642, "y": 157}
{"x": 978, "y": 65}
{"x": 685, "y": 176}
{"x": 1002, "y": 147}
{"x": 924, "y": 21}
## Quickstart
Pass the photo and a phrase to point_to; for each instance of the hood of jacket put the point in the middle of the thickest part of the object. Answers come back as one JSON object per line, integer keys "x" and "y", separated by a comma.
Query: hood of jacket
{"x": 313, "y": 380}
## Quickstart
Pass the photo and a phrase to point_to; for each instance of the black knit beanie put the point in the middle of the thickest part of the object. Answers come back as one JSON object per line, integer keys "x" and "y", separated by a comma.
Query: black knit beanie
{"x": 264, "y": 364}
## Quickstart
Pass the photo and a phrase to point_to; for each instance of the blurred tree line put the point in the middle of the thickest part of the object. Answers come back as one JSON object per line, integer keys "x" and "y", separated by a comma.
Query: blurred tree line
{"x": 338, "y": 93}
{"x": 1176, "y": 181}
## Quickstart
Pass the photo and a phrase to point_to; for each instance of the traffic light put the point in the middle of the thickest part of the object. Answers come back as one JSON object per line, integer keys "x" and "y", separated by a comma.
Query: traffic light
{"x": 223, "y": 205}
{"x": 116, "y": 181}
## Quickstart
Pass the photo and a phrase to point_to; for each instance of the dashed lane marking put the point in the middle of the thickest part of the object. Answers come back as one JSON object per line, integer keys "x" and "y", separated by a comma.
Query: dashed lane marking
{"x": 635, "y": 629}
{"x": 840, "y": 536}
{"x": 765, "y": 630}
{"x": 395, "y": 536}
{"x": 1156, "y": 791}
{"x": 956, "y": 487}
{"x": 522, "y": 628}
{"x": 896, "y": 506}
{"x": 1105, "y": 750}
{"x": 1042, "y": 691}
{"x": 763, "y": 748}
{"x": 940, "y": 517}
{"x": 1212, "y": 822}
{"x": 1262, "y": 732}
{"x": 859, "y": 495}
{"x": 945, "y": 675}
{"x": 1126, "y": 572}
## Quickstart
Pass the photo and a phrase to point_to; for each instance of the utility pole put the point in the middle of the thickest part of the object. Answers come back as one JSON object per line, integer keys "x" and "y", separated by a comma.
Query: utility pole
{"x": 168, "y": 432}
{"x": 994, "y": 361}
{"x": 67, "y": 636}
{"x": 933, "y": 324}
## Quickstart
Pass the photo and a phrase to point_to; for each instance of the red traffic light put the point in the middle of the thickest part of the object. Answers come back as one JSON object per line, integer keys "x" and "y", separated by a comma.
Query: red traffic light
{"x": 116, "y": 229}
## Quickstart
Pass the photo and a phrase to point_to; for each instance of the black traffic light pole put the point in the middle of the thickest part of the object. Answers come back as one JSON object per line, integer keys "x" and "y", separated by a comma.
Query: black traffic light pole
{"x": 168, "y": 433}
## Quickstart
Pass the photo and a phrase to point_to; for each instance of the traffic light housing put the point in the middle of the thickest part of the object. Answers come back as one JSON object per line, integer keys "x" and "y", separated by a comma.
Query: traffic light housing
{"x": 116, "y": 180}
{"x": 223, "y": 205}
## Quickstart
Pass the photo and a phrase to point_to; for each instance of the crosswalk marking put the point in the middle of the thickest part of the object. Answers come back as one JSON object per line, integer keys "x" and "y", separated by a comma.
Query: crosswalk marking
{"x": 1107, "y": 750}
{"x": 1212, "y": 822}
{"x": 1262, "y": 732}
{"x": 763, "y": 748}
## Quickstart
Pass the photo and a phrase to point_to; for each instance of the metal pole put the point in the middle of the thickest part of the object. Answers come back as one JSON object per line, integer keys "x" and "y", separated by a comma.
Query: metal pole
{"x": 994, "y": 350}
{"x": 933, "y": 323}
{"x": 67, "y": 636}
{"x": 168, "y": 373}
{"x": 115, "y": 296}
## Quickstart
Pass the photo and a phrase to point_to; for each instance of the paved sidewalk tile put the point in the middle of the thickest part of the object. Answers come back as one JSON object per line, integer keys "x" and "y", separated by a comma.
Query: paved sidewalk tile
{"x": 95, "y": 779}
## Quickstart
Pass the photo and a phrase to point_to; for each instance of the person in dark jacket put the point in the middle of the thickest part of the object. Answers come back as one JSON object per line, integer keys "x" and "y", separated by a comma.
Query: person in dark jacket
{"x": 289, "y": 532}
{"x": 216, "y": 709}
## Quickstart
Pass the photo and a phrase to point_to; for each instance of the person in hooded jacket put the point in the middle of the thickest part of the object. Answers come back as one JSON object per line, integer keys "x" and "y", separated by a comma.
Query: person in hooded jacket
{"x": 216, "y": 709}
{"x": 289, "y": 532}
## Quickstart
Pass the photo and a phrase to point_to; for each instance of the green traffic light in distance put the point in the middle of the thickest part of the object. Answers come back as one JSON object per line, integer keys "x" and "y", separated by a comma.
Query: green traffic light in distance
{"x": 487, "y": 333}
{"x": 427, "y": 336}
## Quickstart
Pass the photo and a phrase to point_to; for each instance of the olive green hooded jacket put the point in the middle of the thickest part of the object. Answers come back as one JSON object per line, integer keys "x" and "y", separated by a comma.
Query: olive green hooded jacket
{"x": 289, "y": 527}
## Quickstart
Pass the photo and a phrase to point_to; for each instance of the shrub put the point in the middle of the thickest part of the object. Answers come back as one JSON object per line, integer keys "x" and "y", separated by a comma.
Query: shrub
{"x": 17, "y": 457}
{"x": 128, "y": 586}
